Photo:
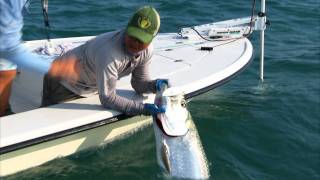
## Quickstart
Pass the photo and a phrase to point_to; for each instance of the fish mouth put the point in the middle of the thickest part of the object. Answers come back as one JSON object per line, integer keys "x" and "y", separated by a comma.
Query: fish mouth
{"x": 173, "y": 122}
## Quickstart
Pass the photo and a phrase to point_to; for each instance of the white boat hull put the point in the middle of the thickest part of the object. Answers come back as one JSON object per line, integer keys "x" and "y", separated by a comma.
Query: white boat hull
{"x": 37, "y": 154}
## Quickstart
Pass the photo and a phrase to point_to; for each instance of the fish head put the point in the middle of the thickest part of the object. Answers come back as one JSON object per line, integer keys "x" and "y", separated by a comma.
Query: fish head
{"x": 174, "y": 121}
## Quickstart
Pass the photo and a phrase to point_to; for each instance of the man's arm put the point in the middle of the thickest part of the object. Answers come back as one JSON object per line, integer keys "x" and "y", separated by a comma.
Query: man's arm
{"x": 106, "y": 81}
{"x": 140, "y": 79}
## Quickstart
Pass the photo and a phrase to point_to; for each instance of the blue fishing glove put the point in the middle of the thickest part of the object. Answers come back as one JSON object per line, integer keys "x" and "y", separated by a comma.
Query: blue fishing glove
{"x": 154, "y": 109}
{"x": 161, "y": 83}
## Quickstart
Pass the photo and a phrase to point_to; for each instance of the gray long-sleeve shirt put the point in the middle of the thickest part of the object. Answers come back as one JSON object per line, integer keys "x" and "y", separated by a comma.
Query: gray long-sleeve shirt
{"x": 102, "y": 61}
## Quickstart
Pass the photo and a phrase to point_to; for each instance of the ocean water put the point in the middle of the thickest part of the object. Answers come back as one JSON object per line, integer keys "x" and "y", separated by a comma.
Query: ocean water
{"x": 249, "y": 129}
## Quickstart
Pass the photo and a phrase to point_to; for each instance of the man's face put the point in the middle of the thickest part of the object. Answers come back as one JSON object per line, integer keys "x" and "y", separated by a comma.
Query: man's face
{"x": 134, "y": 45}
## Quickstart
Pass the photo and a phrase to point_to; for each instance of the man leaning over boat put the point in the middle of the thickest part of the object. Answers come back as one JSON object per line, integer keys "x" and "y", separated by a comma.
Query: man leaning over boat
{"x": 14, "y": 55}
{"x": 107, "y": 58}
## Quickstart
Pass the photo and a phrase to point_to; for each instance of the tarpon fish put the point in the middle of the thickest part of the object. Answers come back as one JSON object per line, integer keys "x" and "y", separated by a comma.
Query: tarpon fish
{"x": 179, "y": 149}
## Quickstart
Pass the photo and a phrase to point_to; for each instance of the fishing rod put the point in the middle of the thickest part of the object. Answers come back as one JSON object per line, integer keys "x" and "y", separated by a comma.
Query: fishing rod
{"x": 44, "y": 5}
{"x": 49, "y": 47}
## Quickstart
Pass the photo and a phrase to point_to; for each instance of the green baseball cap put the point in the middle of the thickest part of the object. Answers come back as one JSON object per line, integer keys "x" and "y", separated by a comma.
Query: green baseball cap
{"x": 144, "y": 25}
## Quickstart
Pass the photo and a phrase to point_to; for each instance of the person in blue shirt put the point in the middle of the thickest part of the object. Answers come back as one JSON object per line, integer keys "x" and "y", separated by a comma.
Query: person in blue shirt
{"x": 13, "y": 55}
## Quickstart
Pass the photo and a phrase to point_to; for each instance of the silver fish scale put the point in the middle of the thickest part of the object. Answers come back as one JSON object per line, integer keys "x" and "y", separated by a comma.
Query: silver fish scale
{"x": 185, "y": 154}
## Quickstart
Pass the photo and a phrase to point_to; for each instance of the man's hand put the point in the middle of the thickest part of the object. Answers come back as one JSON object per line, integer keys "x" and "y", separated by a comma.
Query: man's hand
{"x": 154, "y": 109}
{"x": 66, "y": 68}
{"x": 162, "y": 84}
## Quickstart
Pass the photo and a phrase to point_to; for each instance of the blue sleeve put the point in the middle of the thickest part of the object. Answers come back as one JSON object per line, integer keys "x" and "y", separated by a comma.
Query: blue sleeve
{"x": 11, "y": 23}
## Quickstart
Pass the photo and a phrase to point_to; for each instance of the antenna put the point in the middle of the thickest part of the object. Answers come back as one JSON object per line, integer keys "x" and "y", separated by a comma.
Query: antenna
{"x": 262, "y": 20}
